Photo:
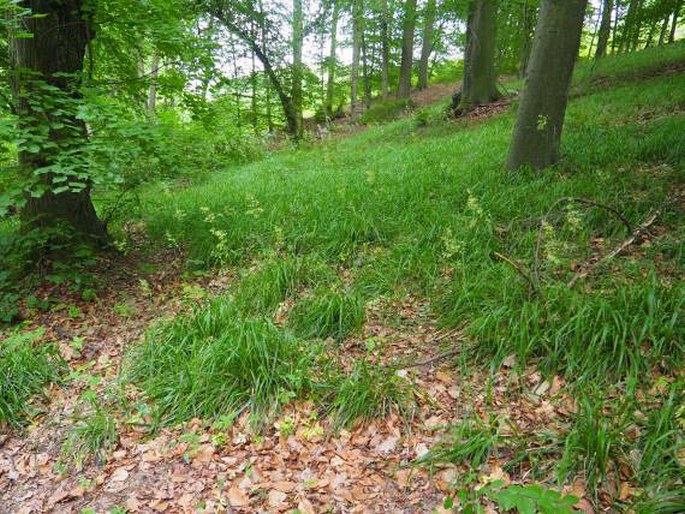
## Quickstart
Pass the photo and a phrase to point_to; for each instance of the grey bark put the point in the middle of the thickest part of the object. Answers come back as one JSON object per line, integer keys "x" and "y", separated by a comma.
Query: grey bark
{"x": 297, "y": 73}
{"x": 427, "y": 43}
{"x": 385, "y": 50}
{"x": 332, "y": 60}
{"x": 407, "y": 60}
{"x": 357, "y": 11}
{"x": 674, "y": 23}
{"x": 480, "y": 79}
{"x": 537, "y": 133}
{"x": 604, "y": 29}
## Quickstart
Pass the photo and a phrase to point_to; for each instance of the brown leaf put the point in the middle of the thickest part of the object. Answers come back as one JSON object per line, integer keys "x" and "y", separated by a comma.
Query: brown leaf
{"x": 237, "y": 497}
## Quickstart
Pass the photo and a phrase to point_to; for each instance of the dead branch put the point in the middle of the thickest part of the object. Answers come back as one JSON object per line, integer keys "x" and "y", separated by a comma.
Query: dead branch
{"x": 555, "y": 205}
{"x": 520, "y": 271}
{"x": 641, "y": 229}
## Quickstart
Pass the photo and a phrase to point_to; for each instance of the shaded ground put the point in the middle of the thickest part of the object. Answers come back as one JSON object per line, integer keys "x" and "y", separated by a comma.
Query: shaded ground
{"x": 299, "y": 462}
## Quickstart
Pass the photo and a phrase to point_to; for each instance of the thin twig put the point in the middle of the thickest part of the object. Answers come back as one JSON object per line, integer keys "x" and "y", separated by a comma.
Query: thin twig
{"x": 642, "y": 228}
{"x": 569, "y": 199}
{"x": 518, "y": 268}
{"x": 439, "y": 357}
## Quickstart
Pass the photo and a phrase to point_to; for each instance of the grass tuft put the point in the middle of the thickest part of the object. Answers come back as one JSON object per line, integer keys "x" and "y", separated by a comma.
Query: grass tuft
{"x": 214, "y": 361}
{"x": 328, "y": 313}
{"x": 26, "y": 368}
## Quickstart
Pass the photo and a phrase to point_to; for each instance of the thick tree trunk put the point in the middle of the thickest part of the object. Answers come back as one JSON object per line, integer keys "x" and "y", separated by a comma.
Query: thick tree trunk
{"x": 296, "y": 91}
{"x": 537, "y": 134}
{"x": 332, "y": 60}
{"x": 604, "y": 29}
{"x": 427, "y": 43}
{"x": 480, "y": 79}
{"x": 357, "y": 13}
{"x": 56, "y": 50}
{"x": 407, "y": 61}
{"x": 385, "y": 50}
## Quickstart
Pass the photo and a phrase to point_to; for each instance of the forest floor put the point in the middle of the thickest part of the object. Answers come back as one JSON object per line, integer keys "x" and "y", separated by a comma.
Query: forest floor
{"x": 511, "y": 389}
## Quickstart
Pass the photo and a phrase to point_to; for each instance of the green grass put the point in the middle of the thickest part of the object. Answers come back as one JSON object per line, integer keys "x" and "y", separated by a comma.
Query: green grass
{"x": 368, "y": 392}
{"x": 26, "y": 368}
{"x": 422, "y": 205}
{"x": 329, "y": 313}
{"x": 213, "y": 361}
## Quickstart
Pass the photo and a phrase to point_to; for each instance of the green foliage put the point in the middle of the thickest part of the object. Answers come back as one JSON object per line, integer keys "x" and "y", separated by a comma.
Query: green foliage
{"x": 93, "y": 434}
{"x": 262, "y": 290}
{"x": 386, "y": 110}
{"x": 471, "y": 442}
{"x": 328, "y": 313}
{"x": 213, "y": 362}
{"x": 26, "y": 367}
{"x": 368, "y": 392}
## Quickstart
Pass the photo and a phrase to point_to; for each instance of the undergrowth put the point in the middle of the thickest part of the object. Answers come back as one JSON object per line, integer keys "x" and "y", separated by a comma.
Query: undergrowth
{"x": 27, "y": 366}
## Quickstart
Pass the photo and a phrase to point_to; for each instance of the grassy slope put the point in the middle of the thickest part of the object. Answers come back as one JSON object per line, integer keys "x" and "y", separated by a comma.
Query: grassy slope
{"x": 422, "y": 204}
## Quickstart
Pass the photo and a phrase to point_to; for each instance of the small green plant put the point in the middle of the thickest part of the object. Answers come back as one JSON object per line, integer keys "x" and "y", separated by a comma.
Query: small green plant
{"x": 27, "y": 366}
{"x": 471, "y": 442}
{"x": 370, "y": 391}
{"x": 213, "y": 362}
{"x": 335, "y": 314}
{"x": 93, "y": 434}
{"x": 524, "y": 499}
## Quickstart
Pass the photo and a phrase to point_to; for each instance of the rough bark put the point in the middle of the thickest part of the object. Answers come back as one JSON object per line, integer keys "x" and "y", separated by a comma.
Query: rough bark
{"x": 297, "y": 71}
{"x": 357, "y": 12}
{"x": 664, "y": 29}
{"x": 332, "y": 60}
{"x": 60, "y": 36}
{"x": 537, "y": 134}
{"x": 480, "y": 79}
{"x": 527, "y": 37}
{"x": 604, "y": 29}
{"x": 427, "y": 43}
{"x": 407, "y": 60}
{"x": 674, "y": 23}
{"x": 385, "y": 50}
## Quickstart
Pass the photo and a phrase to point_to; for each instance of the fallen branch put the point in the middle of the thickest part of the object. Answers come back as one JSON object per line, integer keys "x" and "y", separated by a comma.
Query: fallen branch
{"x": 531, "y": 282}
{"x": 444, "y": 355}
{"x": 570, "y": 199}
{"x": 641, "y": 229}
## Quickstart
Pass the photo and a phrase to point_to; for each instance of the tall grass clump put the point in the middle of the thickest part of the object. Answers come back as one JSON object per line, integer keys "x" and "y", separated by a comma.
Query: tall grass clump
{"x": 328, "y": 313}
{"x": 611, "y": 333}
{"x": 368, "y": 392}
{"x": 214, "y": 361}
{"x": 26, "y": 368}
{"x": 262, "y": 290}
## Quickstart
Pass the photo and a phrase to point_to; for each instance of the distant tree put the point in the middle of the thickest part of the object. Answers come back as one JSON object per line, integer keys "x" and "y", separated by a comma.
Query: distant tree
{"x": 296, "y": 87}
{"x": 45, "y": 70}
{"x": 480, "y": 79}
{"x": 407, "y": 61}
{"x": 357, "y": 35}
{"x": 537, "y": 134}
{"x": 427, "y": 42}
{"x": 604, "y": 29}
{"x": 332, "y": 59}
{"x": 674, "y": 24}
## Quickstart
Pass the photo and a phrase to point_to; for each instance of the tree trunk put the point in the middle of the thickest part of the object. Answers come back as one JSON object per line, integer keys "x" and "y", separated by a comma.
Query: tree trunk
{"x": 409, "y": 25}
{"x": 426, "y": 44}
{"x": 604, "y": 29}
{"x": 527, "y": 39}
{"x": 152, "y": 91}
{"x": 357, "y": 12}
{"x": 674, "y": 24}
{"x": 296, "y": 92}
{"x": 365, "y": 74}
{"x": 629, "y": 26}
{"x": 332, "y": 61}
{"x": 57, "y": 49}
{"x": 664, "y": 29}
{"x": 385, "y": 50}
{"x": 480, "y": 79}
{"x": 537, "y": 134}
